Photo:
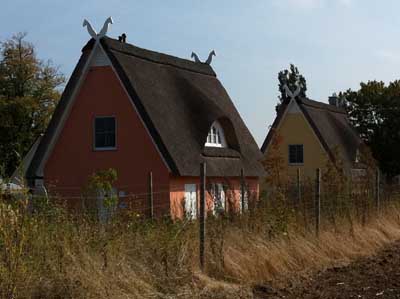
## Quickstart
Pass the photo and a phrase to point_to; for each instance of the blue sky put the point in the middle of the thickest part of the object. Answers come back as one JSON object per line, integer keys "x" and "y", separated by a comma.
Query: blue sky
{"x": 335, "y": 43}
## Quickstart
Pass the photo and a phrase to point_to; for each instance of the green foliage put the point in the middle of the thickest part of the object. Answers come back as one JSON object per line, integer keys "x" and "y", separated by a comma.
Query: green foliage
{"x": 374, "y": 111}
{"x": 291, "y": 77}
{"x": 28, "y": 95}
{"x": 103, "y": 181}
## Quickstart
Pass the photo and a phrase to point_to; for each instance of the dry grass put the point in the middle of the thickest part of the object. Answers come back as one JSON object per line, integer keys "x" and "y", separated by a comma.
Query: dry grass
{"x": 254, "y": 260}
{"x": 52, "y": 254}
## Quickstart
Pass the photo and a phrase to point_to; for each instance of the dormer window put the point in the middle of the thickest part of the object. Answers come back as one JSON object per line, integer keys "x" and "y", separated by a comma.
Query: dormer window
{"x": 216, "y": 137}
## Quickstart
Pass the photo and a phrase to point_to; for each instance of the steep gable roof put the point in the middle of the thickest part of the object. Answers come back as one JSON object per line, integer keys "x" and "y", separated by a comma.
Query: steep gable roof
{"x": 330, "y": 124}
{"x": 178, "y": 101}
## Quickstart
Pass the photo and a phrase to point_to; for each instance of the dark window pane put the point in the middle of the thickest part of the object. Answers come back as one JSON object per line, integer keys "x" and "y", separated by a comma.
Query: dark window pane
{"x": 109, "y": 124}
{"x": 299, "y": 154}
{"x": 296, "y": 153}
{"x": 110, "y": 139}
{"x": 292, "y": 154}
{"x": 99, "y": 124}
{"x": 105, "y": 132}
{"x": 100, "y": 140}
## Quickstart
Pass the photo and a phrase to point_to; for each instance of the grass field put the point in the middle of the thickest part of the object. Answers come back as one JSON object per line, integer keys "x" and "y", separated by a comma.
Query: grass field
{"x": 51, "y": 253}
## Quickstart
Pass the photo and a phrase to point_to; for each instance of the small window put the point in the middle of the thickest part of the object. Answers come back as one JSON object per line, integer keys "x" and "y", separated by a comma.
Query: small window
{"x": 104, "y": 133}
{"x": 296, "y": 154}
{"x": 217, "y": 193}
{"x": 215, "y": 137}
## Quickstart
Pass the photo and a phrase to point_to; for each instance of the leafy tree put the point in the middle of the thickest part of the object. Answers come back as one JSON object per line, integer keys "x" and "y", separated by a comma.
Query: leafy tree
{"x": 28, "y": 95}
{"x": 374, "y": 111}
{"x": 291, "y": 77}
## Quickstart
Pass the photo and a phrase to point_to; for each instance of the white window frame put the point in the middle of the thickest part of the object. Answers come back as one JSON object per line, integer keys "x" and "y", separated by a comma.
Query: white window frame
{"x": 217, "y": 192}
{"x": 216, "y": 136}
{"x": 295, "y": 163}
{"x": 108, "y": 148}
{"x": 190, "y": 208}
{"x": 246, "y": 201}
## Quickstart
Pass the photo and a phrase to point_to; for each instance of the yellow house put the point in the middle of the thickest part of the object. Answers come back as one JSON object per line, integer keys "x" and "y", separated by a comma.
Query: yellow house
{"x": 310, "y": 134}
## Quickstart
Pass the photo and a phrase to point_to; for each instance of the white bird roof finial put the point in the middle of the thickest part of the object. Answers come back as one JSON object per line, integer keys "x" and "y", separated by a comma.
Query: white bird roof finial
{"x": 196, "y": 58}
{"x": 290, "y": 94}
{"x": 210, "y": 56}
{"x": 103, "y": 31}
{"x": 209, "y": 59}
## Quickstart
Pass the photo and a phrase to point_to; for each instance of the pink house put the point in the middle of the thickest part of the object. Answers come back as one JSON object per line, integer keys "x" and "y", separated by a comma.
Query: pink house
{"x": 140, "y": 111}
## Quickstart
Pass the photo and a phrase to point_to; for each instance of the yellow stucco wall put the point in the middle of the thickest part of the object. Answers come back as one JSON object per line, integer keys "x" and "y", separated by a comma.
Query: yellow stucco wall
{"x": 294, "y": 129}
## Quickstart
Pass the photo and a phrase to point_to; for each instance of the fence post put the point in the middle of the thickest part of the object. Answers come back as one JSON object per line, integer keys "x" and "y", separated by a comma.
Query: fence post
{"x": 151, "y": 199}
{"x": 377, "y": 190}
{"x": 298, "y": 186}
{"x": 202, "y": 220}
{"x": 242, "y": 189}
{"x": 317, "y": 201}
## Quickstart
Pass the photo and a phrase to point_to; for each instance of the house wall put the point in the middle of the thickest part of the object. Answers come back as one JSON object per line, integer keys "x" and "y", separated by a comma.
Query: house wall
{"x": 73, "y": 159}
{"x": 232, "y": 195}
{"x": 294, "y": 129}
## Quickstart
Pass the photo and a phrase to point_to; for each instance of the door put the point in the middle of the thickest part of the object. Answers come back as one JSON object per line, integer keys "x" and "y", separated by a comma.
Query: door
{"x": 245, "y": 201}
{"x": 190, "y": 201}
{"x": 104, "y": 209}
{"x": 101, "y": 207}
{"x": 218, "y": 196}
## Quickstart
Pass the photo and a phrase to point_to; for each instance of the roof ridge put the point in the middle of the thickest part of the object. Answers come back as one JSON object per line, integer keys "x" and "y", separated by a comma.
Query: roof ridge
{"x": 322, "y": 105}
{"x": 157, "y": 57}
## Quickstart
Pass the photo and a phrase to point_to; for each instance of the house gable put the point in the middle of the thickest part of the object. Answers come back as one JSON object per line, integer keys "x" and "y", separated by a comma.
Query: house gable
{"x": 290, "y": 109}
{"x": 93, "y": 55}
{"x": 329, "y": 125}
{"x": 293, "y": 128}
{"x": 73, "y": 158}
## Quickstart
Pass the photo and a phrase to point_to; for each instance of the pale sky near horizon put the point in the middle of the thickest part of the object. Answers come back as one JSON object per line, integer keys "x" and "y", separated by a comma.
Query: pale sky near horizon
{"x": 336, "y": 44}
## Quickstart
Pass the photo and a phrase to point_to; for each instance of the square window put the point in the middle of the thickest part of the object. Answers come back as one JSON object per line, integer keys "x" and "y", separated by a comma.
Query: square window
{"x": 104, "y": 133}
{"x": 296, "y": 154}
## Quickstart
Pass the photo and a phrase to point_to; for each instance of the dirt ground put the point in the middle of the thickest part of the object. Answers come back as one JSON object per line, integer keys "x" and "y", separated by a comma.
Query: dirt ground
{"x": 373, "y": 277}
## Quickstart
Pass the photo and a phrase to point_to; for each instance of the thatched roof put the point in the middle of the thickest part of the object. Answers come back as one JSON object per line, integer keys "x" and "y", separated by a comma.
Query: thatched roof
{"x": 330, "y": 124}
{"x": 178, "y": 101}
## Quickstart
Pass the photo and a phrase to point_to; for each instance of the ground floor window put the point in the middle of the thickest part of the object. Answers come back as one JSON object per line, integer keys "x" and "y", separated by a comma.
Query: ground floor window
{"x": 243, "y": 204}
{"x": 191, "y": 201}
{"x": 218, "y": 196}
{"x": 105, "y": 204}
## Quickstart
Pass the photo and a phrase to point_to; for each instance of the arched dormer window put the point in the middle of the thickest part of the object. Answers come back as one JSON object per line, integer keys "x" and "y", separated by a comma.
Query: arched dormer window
{"x": 216, "y": 137}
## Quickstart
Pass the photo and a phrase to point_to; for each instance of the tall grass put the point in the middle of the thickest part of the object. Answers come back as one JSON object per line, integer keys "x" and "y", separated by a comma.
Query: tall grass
{"x": 48, "y": 252}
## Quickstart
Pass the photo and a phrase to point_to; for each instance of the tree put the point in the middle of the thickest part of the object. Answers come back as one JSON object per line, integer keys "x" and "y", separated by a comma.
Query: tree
{"x": 29, "y": 92}
{"x": 374, "y": 110}
{"x": 291, "y": 77}
{"x": 274, "y": 163}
